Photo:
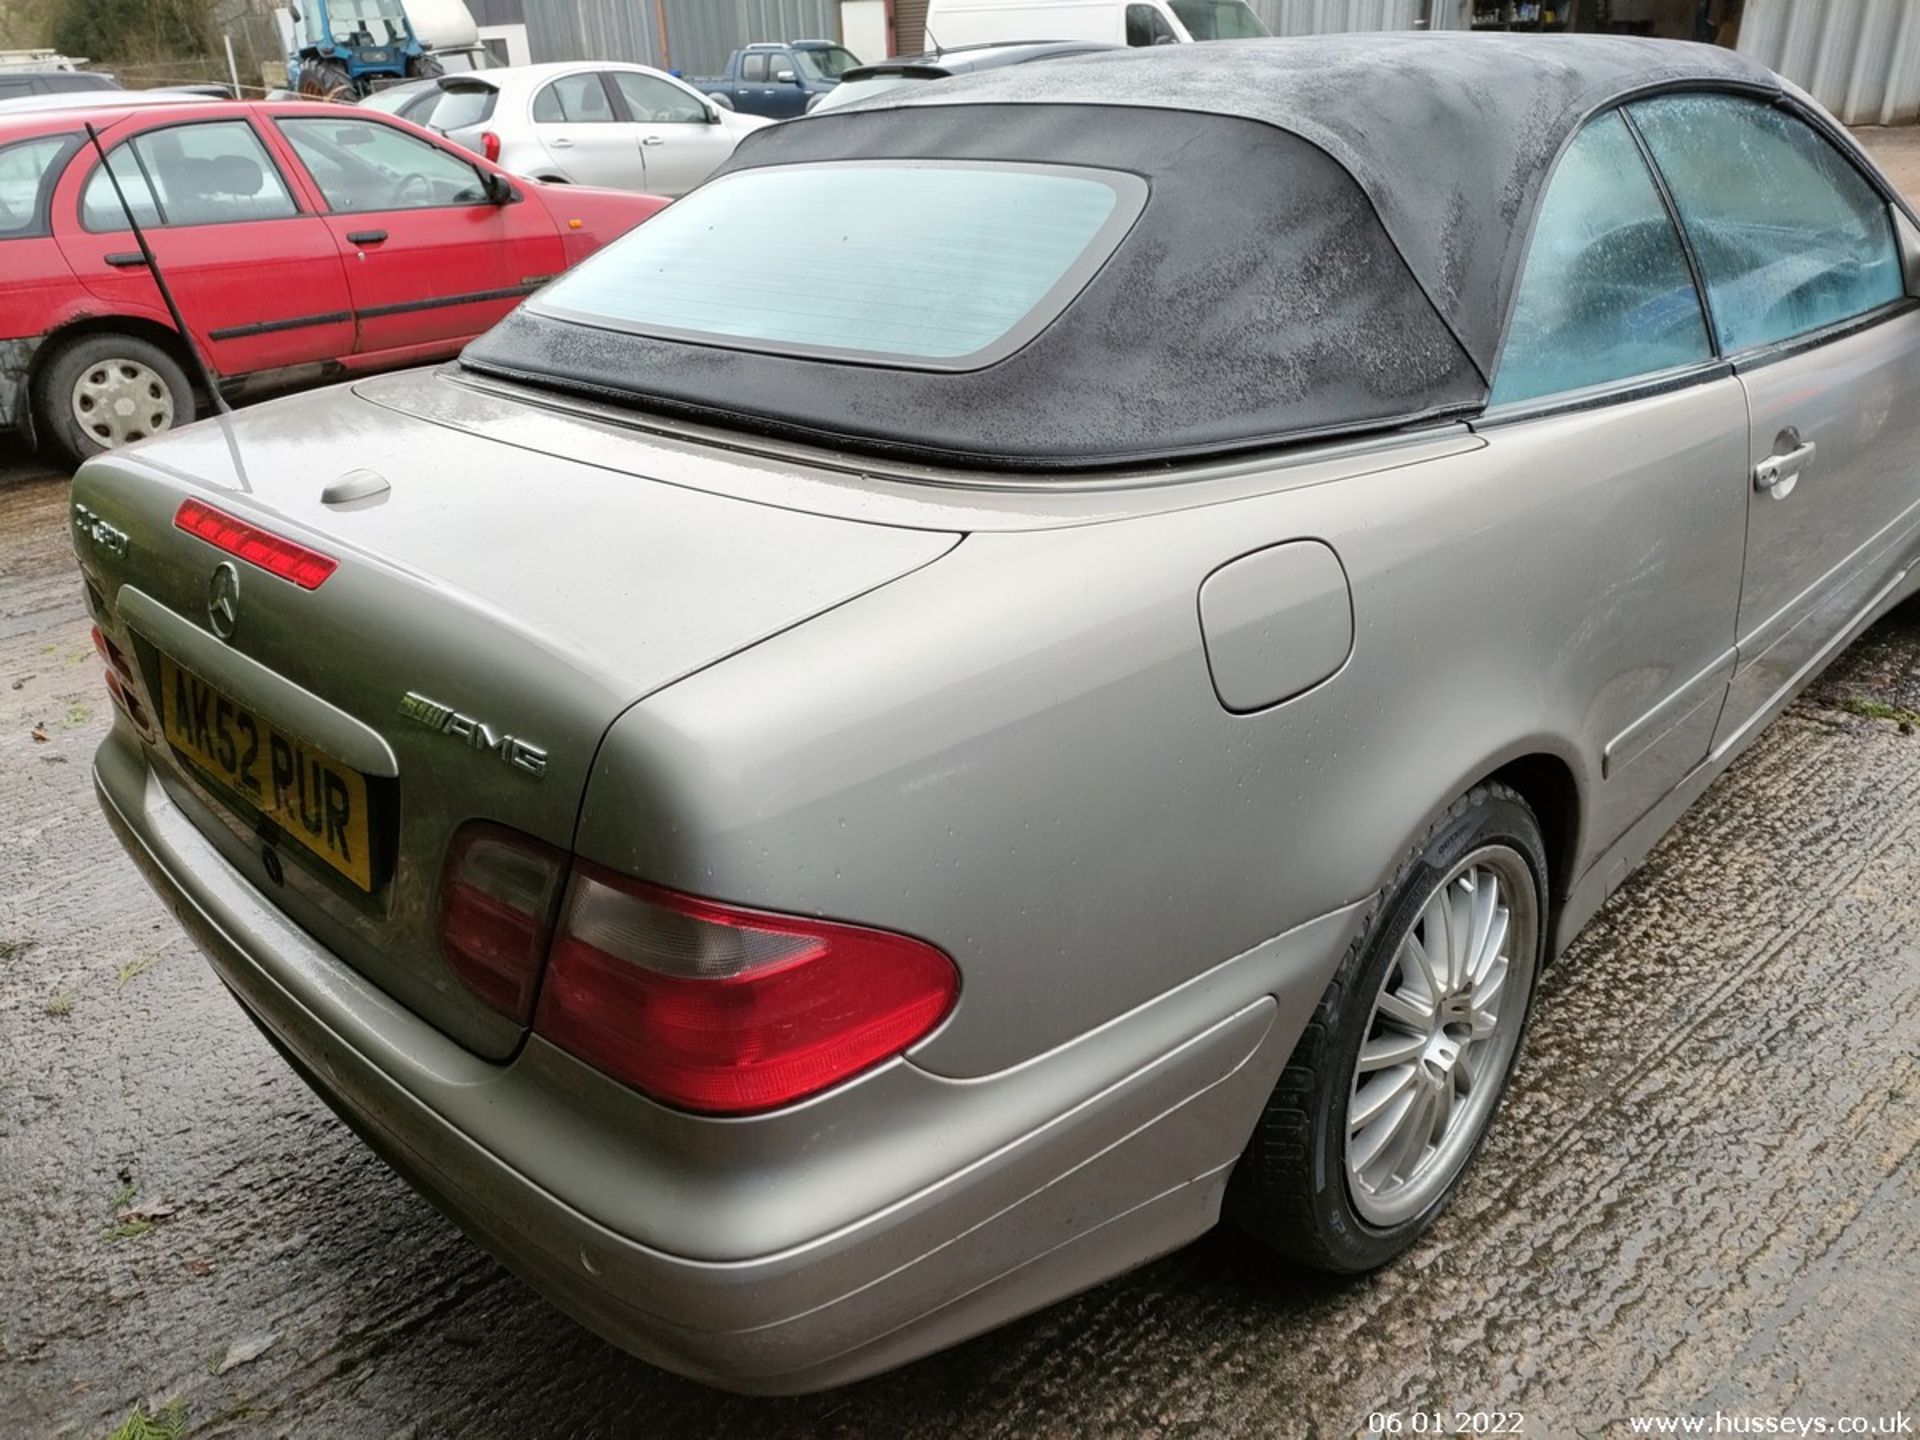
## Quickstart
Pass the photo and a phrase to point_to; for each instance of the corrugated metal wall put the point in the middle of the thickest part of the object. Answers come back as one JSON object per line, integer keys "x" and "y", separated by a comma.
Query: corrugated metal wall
{"x": 1860, "y": 58}
{"x": 1327, "y": 17}
{"x": 700, "y": 34}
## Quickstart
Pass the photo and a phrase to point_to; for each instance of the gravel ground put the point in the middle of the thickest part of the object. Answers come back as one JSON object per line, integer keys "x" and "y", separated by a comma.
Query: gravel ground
{"x": 1701, "y": 1195}
{"x": 1897, "y": 149}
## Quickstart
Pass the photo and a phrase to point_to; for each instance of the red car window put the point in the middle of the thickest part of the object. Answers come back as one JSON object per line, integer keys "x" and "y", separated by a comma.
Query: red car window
{"x": 28, "y": 169}
{"x": 363, "y": 165}
{"x": 206, "y": 173}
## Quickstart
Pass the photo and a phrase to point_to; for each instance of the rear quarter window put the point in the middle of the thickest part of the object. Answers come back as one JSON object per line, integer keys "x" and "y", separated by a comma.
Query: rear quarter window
{"x": 1607, "y": 294}
{"x": 948, "y": 265}
{"x": 28, "y": 169}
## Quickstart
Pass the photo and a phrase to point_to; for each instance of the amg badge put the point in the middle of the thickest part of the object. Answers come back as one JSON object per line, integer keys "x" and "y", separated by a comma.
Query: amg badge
{"x": 476, "y": 734}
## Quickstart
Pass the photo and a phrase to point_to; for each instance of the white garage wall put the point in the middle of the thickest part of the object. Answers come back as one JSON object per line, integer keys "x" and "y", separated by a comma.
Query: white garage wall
{"x": 863, "y": 28}
{"x": 1860, "y": 58}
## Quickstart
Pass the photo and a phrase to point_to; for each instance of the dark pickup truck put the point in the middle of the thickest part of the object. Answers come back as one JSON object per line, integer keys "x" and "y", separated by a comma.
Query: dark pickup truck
{"x": 777, "y": 80}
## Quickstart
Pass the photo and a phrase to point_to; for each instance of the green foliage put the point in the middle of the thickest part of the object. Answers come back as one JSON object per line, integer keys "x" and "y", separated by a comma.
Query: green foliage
{"x": 24, "y": 24}
{"x": 169, "y": 1423}
{"x": 1879, "y": 710}
{"x": 133, "y": 30}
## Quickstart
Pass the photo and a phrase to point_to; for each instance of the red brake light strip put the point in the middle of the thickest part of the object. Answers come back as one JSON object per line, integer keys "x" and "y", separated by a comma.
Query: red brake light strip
{"x": 275, "y": 554}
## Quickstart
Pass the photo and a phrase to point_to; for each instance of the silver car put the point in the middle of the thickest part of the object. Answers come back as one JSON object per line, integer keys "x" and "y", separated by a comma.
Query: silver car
{"x": 1039, "y": 660}
{"x": 618, "y": 126}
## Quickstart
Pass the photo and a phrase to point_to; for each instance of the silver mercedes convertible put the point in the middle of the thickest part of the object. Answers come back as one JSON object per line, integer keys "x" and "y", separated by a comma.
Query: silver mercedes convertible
{"x": 1044, "y": 659}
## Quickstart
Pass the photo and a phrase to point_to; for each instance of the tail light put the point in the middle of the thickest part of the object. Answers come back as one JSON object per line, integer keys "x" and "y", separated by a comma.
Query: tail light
{"x": 275, "y": 554}
{"x": 497, "y": 899}
{"x": 490, "y": 145}
{"x": 120, "y": 682}
{"x": 712, "y": 1008}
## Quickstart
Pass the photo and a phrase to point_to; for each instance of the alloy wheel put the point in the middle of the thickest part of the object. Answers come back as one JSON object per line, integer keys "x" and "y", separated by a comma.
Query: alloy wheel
{"x": 1444, "y": 1028}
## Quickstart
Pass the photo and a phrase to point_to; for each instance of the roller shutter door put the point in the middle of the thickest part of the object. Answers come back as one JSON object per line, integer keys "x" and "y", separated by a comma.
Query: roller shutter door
{"x": 909, "y": 26}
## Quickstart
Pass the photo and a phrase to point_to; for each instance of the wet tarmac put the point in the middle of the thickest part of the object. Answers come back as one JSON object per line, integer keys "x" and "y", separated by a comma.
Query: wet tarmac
{"x": 1703, "y": 1193}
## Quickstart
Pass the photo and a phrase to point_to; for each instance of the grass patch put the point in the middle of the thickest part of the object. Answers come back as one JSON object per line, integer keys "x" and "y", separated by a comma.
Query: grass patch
{"x": 130, "y": 1221}
{"x": 124, "y": 1229}
{"x": 1878, "y": 710}
{"x": 78, "y": 713}
{"x": 11, "y": 950}
{"x": 167, "y": 1423}
{"x": 59, "y": 1005}
{"x": 134, "y": 969}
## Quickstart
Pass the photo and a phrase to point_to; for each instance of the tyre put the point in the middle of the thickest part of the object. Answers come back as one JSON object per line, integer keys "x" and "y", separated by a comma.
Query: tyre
{"x": 1391, "y": 1088}
{"x": 324, "y": 80}
{"x": 424, "y": 67}
{"x": 100, "y": 392}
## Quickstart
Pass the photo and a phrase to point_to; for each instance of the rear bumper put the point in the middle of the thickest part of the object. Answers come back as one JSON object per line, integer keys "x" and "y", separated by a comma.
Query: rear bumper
{"x": 1107, "y": 1179}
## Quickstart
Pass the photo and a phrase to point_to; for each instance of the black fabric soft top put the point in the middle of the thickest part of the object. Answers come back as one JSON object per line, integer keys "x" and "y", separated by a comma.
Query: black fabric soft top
{"x": 1332, "y": 233}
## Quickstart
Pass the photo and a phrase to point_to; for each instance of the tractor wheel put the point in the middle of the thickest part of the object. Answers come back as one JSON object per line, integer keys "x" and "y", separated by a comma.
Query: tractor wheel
{"x": 424, "y": 67}
{"x": 324, "y": 80}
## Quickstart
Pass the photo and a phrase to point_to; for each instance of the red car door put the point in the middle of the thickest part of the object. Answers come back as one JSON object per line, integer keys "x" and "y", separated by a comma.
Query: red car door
{"x": 258, "y": 279}
{"x": 431, "y": 258}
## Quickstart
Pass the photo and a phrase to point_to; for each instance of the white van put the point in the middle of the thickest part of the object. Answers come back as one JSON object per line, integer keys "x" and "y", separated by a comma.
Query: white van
{"x": 952, "y": 23}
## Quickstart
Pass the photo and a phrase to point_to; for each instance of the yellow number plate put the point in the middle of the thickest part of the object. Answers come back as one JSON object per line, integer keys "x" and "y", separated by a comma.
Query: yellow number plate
{"x": 313, "y": 797}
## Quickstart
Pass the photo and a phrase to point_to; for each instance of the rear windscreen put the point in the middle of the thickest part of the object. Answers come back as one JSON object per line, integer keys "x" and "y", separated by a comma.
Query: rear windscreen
{"x": 947, "y": 265}
{"x": 455, "y": 108}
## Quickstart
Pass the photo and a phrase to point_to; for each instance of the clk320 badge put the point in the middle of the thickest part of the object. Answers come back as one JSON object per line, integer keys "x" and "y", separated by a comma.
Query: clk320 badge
{"x": 476, "y": 734}
{"x": 110, "y": 538}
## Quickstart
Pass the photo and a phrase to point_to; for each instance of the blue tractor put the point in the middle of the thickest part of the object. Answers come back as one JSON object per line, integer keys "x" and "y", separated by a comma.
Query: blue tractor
{"x": 342, "y": 49}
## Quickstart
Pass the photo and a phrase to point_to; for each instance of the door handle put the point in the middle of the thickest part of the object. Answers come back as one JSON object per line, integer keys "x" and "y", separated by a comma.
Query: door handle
{"x": 126, "y": 259}
{"x": 365, "y": 237}
{"x": 653, "y": 140}
{"x": 561, "y": 143}
{"x": 1780, "y": 472}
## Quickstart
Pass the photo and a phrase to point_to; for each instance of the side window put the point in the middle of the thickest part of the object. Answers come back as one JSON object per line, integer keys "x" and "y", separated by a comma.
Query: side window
{"x": 651, "y": 100}
{"x": 100, "y": 208}
{"x": 364, "y": 165}
{"x": 27, "y": 172}
{"x": 754, "y": 67}
{"x": 574, "y": 100}
{"x": 1607, "y": 293}
{"x": 1147, "y": 26}
{"x": 204, "y": 174}
{"x": 1790, "y": 237}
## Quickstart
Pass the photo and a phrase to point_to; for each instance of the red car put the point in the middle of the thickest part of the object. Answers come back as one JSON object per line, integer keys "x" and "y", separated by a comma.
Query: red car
{"x": 298, "y": 239}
